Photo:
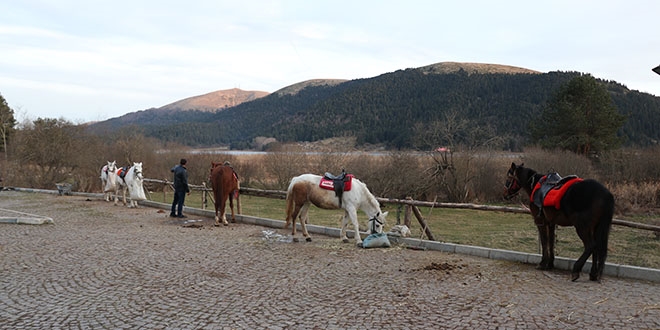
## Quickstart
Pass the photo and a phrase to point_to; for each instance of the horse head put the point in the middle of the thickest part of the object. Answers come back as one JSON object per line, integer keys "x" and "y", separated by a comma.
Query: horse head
{"x": 520, "y": 177}
{"x": 137, "y": 170}
{"x": 512, "y": 185}
{"x": 112, "y": 166}
{"x": 377, "y": 222}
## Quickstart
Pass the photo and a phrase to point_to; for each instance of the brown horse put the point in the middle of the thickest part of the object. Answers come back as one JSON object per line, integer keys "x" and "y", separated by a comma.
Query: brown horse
{"x": 224, "y": 182}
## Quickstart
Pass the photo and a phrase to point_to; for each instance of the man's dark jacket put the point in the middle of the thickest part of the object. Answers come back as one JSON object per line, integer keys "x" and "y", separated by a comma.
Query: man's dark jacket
{"x": 180, "y": 178}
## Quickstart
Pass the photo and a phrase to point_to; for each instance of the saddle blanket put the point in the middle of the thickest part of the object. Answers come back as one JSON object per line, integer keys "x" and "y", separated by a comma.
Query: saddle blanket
{"x": 330, "y": 185}
{"x": 554, "y": 195}
{"x": 121, "y": 172}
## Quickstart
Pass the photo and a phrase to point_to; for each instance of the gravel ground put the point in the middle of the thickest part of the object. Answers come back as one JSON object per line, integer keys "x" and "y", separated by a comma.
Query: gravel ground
{"x": 101, "y": 266}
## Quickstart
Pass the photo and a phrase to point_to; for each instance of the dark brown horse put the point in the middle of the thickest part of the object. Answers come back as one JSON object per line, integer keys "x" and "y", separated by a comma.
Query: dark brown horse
{"x": 224, "y": 182}
{"x": 587, "y": 205}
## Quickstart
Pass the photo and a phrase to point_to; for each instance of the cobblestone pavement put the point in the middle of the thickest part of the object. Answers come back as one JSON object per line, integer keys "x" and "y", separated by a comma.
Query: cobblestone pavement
{"x": 109, "y": 267}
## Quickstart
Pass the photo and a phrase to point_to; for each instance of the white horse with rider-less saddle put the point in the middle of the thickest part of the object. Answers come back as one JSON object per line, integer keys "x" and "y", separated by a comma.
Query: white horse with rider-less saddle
{"x": 131, "y": 179}
{"x": 109, "y": 180}
{"x": 314, "y": 189}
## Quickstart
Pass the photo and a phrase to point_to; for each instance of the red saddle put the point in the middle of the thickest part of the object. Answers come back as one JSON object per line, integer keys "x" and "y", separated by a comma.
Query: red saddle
{"x": 554, "y": 195}
{"x": 330, "y": 185}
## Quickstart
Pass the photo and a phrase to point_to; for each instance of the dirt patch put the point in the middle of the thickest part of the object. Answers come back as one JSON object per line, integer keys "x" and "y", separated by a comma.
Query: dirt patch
{"x": 442, "y": 266}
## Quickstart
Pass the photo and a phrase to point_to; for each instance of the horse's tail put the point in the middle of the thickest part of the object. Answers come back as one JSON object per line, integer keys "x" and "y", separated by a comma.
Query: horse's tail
{"x": 602, "y": 231}
{"x": 238, "y": 196}
{"x": 218, "y": 189}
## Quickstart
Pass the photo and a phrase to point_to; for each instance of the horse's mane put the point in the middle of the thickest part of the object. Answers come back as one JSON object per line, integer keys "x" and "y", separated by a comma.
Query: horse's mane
{"x": 371, "y": 199}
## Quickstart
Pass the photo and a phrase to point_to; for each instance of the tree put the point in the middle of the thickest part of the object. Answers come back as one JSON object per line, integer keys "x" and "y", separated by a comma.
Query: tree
{"x": 454, "y": 174}
{"x": 580, "y": 118}
{"x": 50, "y": 151}
{"x": 7, "y": 123}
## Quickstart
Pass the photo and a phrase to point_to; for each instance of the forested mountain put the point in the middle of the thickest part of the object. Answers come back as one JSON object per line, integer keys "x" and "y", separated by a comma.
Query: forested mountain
{"x": 387, "y": 108}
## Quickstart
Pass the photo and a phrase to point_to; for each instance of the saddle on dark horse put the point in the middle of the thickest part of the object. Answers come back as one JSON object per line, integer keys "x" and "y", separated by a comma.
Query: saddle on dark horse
{"x": 338, "y": 183}
{"x": 550, "y": 189}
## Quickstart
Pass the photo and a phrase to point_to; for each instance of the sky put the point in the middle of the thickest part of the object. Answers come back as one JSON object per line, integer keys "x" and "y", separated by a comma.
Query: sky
{"x": 95, "y": 60}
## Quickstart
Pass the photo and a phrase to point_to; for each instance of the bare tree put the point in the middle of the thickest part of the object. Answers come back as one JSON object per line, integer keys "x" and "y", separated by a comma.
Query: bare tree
{"x": 455, "y": 145}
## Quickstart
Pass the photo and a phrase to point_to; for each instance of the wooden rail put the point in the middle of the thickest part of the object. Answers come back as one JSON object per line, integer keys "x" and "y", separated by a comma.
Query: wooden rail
{"x": 409, "y": 203}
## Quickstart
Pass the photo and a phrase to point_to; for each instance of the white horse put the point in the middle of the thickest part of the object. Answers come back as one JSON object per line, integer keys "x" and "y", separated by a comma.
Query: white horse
{"x": 109, "y": 180}
{"x": 132, "y": 181}
{"x": 305, "y": 189}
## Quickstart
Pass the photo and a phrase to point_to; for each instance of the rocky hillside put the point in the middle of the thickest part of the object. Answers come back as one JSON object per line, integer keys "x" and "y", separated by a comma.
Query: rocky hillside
{"x": 213, "y": 101}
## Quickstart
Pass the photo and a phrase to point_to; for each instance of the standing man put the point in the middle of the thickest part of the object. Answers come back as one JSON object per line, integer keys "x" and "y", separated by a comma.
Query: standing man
{"x": 180, "y": 188}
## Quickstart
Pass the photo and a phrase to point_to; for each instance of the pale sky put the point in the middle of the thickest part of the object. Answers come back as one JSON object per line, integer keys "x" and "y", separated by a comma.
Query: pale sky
{"x": 95, "y": 60}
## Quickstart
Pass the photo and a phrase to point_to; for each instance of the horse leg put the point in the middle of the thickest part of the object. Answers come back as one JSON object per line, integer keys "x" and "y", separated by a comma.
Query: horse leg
{"x": 217, "y": 222}
{"x": 231, "y": 207}
{"x": 105, "y": 193}
{"x": 304, "y": 218}
{"x": 223, "y": 210}
{"x": 595, "y": 264}
{"x": 116, "y": 196}
{"x": 352, "y": 213}
{"x": 291, "y": 220}
{"x": 344, "y": 224}
{"x": 552, "y": 239}
{"x": 544, "y": 237}
{"x": 124, "y": 194}
{"x": 588, "y": 242}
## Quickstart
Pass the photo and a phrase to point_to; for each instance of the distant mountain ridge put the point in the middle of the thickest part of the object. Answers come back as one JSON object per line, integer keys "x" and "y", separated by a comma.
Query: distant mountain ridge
{"x": 389, "y": 109}
{"x": 227, "y": 98}
{"x": 474, "y": 68}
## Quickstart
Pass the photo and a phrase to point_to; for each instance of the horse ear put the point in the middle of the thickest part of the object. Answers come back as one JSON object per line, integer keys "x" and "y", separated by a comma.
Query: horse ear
{"x": 385, "y": 213}
{"x": 513, "y": 166}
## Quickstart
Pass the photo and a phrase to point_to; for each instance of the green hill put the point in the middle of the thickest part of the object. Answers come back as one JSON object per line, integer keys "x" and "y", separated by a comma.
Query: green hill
{"x": 386, "y": 109}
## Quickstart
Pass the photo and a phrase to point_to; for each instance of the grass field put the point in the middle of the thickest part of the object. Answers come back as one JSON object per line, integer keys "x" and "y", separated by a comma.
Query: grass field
{"x": 500, "y": 230}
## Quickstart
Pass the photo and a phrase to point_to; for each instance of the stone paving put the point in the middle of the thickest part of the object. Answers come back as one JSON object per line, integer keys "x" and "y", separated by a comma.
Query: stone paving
{"x": 101, "y": 266}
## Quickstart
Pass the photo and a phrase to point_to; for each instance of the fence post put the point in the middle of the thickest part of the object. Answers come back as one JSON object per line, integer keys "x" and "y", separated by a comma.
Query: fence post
{"x": 422, "y": 222}
{"x": 164, "y": 193}
{"x": 203, "y": 195}
{"x": 408, "y": 215}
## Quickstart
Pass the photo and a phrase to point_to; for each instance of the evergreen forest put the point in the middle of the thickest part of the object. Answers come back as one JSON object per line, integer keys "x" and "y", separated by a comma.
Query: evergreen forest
{"x": 390, "y": 109}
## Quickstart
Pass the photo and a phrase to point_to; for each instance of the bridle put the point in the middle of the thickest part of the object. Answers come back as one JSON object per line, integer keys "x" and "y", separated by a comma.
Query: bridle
{"x": 138, "y": 173}
{"x": 374, "y": 220}
{"x": 512, "y": 185}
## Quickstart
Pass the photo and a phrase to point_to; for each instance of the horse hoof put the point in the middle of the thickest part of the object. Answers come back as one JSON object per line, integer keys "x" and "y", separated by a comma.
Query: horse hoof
{"x": 345, "y": 240}
{"x": 308, "y": 239}
{"x": 295, "y": 239}
{"x": 225, "y": 224}
{"x": 359, "y": 244}
{"x": 575, "y": 276}
{"x": 216, "y": 225}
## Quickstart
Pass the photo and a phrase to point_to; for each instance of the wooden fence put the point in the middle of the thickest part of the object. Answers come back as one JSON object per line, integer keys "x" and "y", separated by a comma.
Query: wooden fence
{"x": 411, "y": 206}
